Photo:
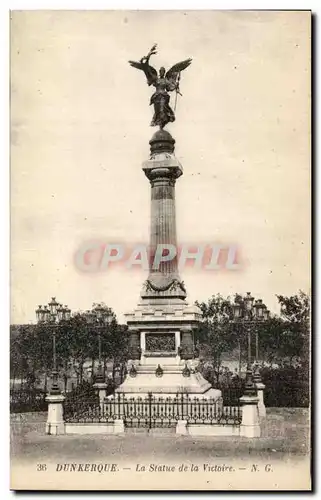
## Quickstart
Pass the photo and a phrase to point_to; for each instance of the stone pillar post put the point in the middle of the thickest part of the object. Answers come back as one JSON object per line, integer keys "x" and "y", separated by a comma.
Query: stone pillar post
{"x": 260, "y": 390}
{"x": 55, "y": 421}
{"x": 260, "y": 393}
{"x": 177, "y": 340}
{"x": 101, "y": 388}
{"x": 250, "y": 425}
{"x": 143, "y": 341}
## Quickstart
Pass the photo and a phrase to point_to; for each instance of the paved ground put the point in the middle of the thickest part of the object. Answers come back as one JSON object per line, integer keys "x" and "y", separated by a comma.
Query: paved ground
{"x": 285, "y": 435}
{"x": 280, "y": 455}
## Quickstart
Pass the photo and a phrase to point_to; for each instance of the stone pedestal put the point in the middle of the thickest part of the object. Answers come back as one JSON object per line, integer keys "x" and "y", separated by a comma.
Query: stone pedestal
{"x": 250, "y": 425}
{"x": 55, "y": 422}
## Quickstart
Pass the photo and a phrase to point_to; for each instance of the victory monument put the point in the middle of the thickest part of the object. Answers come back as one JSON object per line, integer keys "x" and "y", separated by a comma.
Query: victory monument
{"x": 163, "y": 357}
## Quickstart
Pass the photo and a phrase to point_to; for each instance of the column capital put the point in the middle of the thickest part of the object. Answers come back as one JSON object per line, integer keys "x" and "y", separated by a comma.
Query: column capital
{"x": 163, "y": 168}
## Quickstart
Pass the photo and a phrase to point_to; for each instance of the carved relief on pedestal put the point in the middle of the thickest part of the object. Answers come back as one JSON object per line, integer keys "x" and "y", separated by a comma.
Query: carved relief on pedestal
{"x": 164, "y": 342}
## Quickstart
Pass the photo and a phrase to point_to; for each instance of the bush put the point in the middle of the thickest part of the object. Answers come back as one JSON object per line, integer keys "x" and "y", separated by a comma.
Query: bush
{"x": 286, "y": 387}
{"x": 27, "y": 400}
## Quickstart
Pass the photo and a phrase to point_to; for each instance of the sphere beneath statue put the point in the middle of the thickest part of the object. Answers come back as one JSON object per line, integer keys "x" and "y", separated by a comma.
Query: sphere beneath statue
{"x": 162, "y": 142}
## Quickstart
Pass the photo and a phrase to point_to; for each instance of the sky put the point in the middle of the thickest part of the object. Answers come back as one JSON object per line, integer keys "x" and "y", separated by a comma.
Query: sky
{"x": 80, "y": 129}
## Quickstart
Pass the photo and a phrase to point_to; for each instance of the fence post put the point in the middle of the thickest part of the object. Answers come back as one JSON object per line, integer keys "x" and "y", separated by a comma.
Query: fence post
{"x": 119, "y": 426}
{"x": 250, "y": 425}
{"x": 181, "y": 426}
{"x": 149, "y": 410}
{"x": 260, "y": 393}
{"x": 101, "y": 388}
{"x": 55, "y": 421}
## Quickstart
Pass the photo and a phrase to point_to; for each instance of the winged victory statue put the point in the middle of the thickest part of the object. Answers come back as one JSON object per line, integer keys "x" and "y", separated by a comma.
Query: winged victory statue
{"x": 164, "y": 82}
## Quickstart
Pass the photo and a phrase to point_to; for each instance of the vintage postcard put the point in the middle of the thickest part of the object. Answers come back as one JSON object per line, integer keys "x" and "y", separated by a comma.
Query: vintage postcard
{"x": 160, "y": 250}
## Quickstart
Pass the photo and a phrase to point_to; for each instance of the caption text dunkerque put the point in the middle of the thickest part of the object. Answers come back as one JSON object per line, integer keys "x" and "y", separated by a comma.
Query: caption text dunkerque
{"x": 152, "y": 467}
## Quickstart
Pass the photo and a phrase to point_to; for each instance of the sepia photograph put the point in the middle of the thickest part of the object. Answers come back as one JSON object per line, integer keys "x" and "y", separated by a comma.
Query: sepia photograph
{"x": 160, "y": 248}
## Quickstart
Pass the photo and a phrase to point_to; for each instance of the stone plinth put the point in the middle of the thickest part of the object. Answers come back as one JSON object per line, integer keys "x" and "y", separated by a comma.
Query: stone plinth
{"x": 172, "y": 380}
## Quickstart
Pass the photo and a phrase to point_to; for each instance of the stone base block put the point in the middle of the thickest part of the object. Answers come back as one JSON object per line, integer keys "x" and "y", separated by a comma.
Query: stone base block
{"x": 116, "y": 427}
{"x": 262, "y": 410}
{"x": 119, "y": 427}
{"x": 90, "y": 428}
{"x": 250, "y": 426}
{"x": 213, "y": 430}
{"x": 181, "y": 427}
{"x": 250, "y": 431}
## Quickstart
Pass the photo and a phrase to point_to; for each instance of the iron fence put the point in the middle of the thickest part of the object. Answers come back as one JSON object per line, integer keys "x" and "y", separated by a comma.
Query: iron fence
{"x": 231, "y": 394}
{"x": 153, "y": 411}
{"x": 87, "y": 410}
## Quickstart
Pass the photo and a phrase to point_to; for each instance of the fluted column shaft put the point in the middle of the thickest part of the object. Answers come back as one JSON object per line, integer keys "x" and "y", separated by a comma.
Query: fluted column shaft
{"x": 163, "y": 221}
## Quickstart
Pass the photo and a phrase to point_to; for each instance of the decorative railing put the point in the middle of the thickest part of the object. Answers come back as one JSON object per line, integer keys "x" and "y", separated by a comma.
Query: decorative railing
{"x": 153, "y": 411}
{"x": 87, "y": 410}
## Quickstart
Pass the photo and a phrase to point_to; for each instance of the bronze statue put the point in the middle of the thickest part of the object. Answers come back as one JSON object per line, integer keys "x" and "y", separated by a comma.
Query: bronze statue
{"x": 164, "y": 83}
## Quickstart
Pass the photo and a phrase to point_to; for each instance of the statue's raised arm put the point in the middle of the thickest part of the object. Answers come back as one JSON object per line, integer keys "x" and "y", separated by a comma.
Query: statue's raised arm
{"x": 143, "y": 64}
{"x": 164, "y": 83}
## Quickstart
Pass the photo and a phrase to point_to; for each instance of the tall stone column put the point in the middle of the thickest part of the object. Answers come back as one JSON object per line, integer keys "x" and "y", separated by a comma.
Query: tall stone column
{"x": 162, "y": 170}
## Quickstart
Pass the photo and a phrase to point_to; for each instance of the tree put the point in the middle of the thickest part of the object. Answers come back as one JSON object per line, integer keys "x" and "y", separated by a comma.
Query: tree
{"x": 29, "y": 353}
{"x": 295, "y": 315}
{"x": 216, "y": 334}
{"x": 31, "y": 347}
{"x": 270, "y": 340}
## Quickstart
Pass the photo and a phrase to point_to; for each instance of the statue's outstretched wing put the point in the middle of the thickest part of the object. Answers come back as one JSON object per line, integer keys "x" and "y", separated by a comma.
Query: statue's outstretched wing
{"x": 150, "y": 72}
{"x": 177, "y": 68}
